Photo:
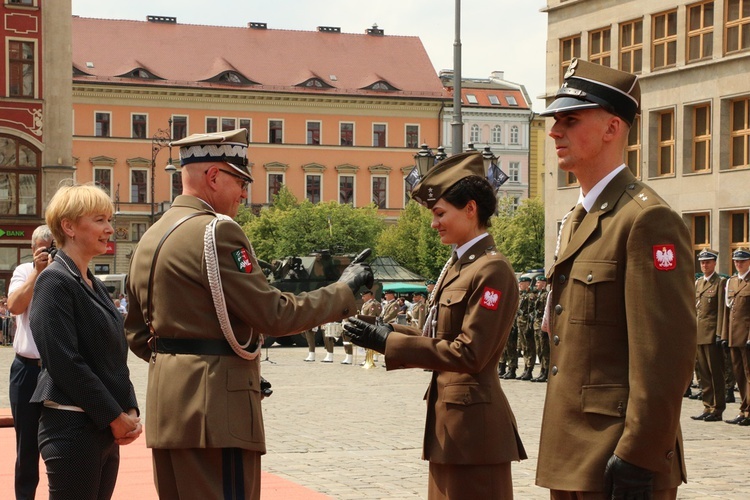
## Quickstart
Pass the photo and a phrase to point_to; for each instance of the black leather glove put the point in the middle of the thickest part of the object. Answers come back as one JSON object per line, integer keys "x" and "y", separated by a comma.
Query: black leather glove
{"x": 724, "y": 344}
{"x": 366, "y": 335}
{"x": 358, "y": 273}
{"x": 625, "y": 481}
{"x": 265, "y": 388}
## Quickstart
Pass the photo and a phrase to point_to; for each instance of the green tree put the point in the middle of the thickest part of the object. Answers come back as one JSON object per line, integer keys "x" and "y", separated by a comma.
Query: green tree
{"x": 290, "y": 227}
{"x": 519, "y": 233}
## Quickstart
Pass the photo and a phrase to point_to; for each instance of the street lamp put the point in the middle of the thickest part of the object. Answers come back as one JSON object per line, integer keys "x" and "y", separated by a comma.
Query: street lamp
{"x": 424, "y": 161}
{"x": 440, "y": 156}
{"x": 160, "y": 140}
{"x": 494, "y": 175}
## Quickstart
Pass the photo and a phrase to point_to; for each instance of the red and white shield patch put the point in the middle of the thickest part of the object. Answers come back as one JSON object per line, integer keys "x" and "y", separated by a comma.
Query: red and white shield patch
{"x": 665, "y": 257}
{"x": 490, "y": 298}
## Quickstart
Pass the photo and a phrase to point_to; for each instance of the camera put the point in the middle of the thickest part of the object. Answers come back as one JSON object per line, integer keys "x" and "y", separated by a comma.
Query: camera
{"x": 51, "y": 249}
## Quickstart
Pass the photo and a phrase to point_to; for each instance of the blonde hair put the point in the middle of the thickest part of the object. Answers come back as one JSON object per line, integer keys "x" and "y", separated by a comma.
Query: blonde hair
{"x": 73, "y": 202}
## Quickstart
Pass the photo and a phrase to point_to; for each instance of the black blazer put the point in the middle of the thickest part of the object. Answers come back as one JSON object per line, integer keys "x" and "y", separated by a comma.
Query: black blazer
{"x": 81, "y": 340}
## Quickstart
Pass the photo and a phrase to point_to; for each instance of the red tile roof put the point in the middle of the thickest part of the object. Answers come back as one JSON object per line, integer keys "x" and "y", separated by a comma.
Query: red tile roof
{"x": 483, "y": 98}
{"x": 278, "y": 60}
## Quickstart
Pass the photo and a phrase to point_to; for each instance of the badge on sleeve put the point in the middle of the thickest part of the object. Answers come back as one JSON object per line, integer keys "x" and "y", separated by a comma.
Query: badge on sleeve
{"x": 242, "y": 258}
{"x": 665, "y": 258}
{"x": 490, "y": 298}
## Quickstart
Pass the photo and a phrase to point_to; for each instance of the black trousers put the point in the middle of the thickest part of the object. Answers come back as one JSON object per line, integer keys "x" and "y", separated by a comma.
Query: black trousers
{"x": 82, "y": 461}
{"x": 26, "y": 422}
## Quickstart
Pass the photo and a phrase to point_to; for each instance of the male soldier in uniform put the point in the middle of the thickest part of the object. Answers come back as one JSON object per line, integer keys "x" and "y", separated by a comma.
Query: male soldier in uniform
{"x": 622, "y": 313}
{"x": 390, "y": 307}
{"x": 541, "y": 338}
{"x": 523, "y": 325}
{"x": 510, "y": 353}
{"x": 199, "y": 303}
{"x": 735, "y": 332}
{"x": 419, "y": 310}
{"x": 709, "y": 304}
{"x": 370, "y": 307}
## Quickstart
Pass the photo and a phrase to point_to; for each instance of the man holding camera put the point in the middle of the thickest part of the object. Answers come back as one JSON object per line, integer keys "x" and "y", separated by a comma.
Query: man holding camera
{"x": 26, "y": 365}
{"x": 205, "y": 424}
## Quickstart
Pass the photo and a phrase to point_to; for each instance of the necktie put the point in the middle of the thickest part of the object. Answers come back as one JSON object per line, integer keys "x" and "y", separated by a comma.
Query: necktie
{"x": 568, "y": 226}
{"x": 454, "y": 257}
{"x": 576, "y": 217}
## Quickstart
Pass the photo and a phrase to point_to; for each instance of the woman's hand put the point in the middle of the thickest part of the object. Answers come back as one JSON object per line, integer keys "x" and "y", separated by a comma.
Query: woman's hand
{"x": 126, "y": 427}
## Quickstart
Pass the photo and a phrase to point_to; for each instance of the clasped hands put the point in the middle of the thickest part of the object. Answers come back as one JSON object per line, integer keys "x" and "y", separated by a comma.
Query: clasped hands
{"x": 126, "y": 427}
{"x": 368, "y": 335}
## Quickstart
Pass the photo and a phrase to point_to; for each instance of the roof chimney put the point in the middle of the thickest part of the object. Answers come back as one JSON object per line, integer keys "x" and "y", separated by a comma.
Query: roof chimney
{"x": 374, "y": 30}
{"x": 161, "y": 19}
{"x": 257, "y": 26}
{"x": 329, "y": 29}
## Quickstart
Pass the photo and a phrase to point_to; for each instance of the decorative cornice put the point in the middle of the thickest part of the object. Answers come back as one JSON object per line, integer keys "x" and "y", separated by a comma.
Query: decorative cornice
{"x": 379, "y": 169}
{"x": 314, "y": 167}
{"x": 347, "y": 168}
{"x": 138, "y": 162}
{"x": 275, "y": 166}
{"x": 103, "y": 161}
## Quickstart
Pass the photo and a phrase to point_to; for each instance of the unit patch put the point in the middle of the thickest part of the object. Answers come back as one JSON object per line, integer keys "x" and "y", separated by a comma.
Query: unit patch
{"x": 665, "y": 258}
{"x": 490, "y": 298}
{"x": 242, "y": 258}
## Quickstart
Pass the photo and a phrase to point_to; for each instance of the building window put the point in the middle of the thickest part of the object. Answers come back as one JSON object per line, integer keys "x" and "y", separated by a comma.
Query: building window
{"x": 738, "y": 231}
{"x": 379, "y": 191}
{"x": 275, "y": 181}
{"x": 313, "y": 133}
{"x": 346, "y": 134}
{"x": 102, "y": 124}
{"x": 514, "y": 134}
{"x": 228, "y": 124}
{"x": 631, "y": 46}
{"x": 212, "y": 125}
{"x": 633, "y": 149}
{"x": 21, "y": 68}
{"x": 497, "y": 134}
{"x": 664, "y": 47}
{"x": 247, "y": 124}
{"x": 179, "y": 127}
{"x": 378, "y": 135}
{"x": 514, "y": 171}
{"x": 570, "y": 179}
{"x": 570, "y": 48}
{"x": 471, "y": 99}
{"x": 737, "y": 28}
{"x": 494, "y": 100}
{"x": 346, "y": 189}
{"x": 474, "y": 136}
{"x": 138, "y": 185}
{"x": 275, "y": 131}
{"x": 511, "y": 100}
{"x": 312, "y": 187}
{"x": 701, "y": 138}
{"x": 103, "y": 179}
{"x": 176, "y": 185}
{"x": 701, "y": 231}
{"x": 600, "y": 48}
{"x": 700, "y": 31}
{"x": 137, "y": 230}
{"x": 740, "y": 133}
{"x": 138, "y": 126}
{"x": 666, "y": 143}
{"x": 412, "y": 136}
{"x": 19, "y": 179}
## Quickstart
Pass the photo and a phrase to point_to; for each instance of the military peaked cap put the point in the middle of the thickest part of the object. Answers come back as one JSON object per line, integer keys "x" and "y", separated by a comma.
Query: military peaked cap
{"x": 229, "y": 147}
{"x": 741, "y": 254}
{"x": 708, "y": 254}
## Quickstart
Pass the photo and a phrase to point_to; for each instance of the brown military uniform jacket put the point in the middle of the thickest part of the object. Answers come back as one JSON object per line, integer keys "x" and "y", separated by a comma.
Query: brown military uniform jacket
{"x": 419, "y": 313}
{"x": 390, "y": 311}
{"x": 736, "y": 327}
{"x": 371, "y": 308}
{"x": 209, "y": 401}
{"x": 469, "y": 420}
{"x": 709, "y": 306}
{"x": 622, "y": 342}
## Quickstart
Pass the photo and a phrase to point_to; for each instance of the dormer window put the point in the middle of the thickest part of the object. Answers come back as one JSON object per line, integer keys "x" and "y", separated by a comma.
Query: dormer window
{"x": 315, "y": 83}
{"x": 472, "y": 99}
{"x": 231, "y": 77}
{"x": 141, "y": 73}
{"x": 381, "y": 85}
{"x": 494, "y": 100}
{"x": 511, "y": 100}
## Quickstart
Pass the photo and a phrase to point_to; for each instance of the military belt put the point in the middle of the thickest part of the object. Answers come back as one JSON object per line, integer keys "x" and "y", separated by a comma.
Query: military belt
{"x": 195, "y": 346}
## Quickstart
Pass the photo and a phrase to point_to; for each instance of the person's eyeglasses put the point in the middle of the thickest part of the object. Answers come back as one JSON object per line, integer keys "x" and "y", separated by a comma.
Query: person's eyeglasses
{"x": 244, "y": 182}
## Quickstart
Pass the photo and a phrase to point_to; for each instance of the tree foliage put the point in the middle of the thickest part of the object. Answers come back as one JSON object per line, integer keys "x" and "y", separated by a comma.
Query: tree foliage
{"x": 519, "y": 233}
{"x": 291, "y": 227}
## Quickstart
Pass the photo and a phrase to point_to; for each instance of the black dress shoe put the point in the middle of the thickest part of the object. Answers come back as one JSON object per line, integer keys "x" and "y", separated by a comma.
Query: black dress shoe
{"x": 736, "y": 420}
{"x": 713, "y": 417}
{"x": 702, "y": 416}
{"x": 526, "y": 375}
{"x": 687, "y": 393}
{"x": 697, "y": 395}
{"x": 744, "y": 422}
{"x": 510, "y": 375}
{"x": 730, "y": 397}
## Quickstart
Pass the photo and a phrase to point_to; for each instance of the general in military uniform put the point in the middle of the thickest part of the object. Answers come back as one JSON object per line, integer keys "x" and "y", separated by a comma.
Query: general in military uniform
{"x": 736, "y": 330}
{"x": 709, "y": 306}
{"x": 199, "y": 303}
{"x": 622, "y": 322}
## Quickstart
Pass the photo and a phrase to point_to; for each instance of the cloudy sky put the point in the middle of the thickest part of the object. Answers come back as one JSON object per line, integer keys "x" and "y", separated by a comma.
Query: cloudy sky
{"x": 496, "y": 35}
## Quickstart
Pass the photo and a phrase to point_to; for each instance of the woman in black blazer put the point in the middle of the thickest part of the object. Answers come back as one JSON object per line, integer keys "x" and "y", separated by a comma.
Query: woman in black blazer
{"x": 89, "y": 405}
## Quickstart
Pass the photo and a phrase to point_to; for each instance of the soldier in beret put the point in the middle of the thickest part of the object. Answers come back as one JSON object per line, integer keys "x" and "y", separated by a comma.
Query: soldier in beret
{"x": 525, "y": 327}
{"x": 709, "y": 305}
{"x": 198, "y": 305}
{"x": 471, "y": 434}
{"x": 621, "y": 353}
{"x": 735, "y": 333}
{"x": 419, "y": 310}
{"x": 540, "y": 337}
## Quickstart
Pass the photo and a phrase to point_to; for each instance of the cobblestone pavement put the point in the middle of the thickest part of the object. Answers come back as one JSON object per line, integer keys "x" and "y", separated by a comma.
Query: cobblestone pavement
{"x": 352, "y": 433}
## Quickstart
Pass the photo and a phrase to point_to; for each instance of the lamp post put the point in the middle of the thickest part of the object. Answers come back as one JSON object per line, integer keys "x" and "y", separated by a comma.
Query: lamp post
{"x": 160, "y": 140}
{"x": 424, "y": 160}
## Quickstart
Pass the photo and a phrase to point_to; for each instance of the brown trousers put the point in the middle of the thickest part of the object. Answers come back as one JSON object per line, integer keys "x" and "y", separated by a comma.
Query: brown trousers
{"x": 470, "y": 482}
{"x": 711, "y": 376}
{"x": 599, "y": 495}
{"x": 741, "y": 368}
{"x": 201, "y": 473}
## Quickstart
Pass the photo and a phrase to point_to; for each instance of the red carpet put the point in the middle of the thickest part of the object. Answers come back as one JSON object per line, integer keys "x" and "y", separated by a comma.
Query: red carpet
{"x": 135, "y": 479}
